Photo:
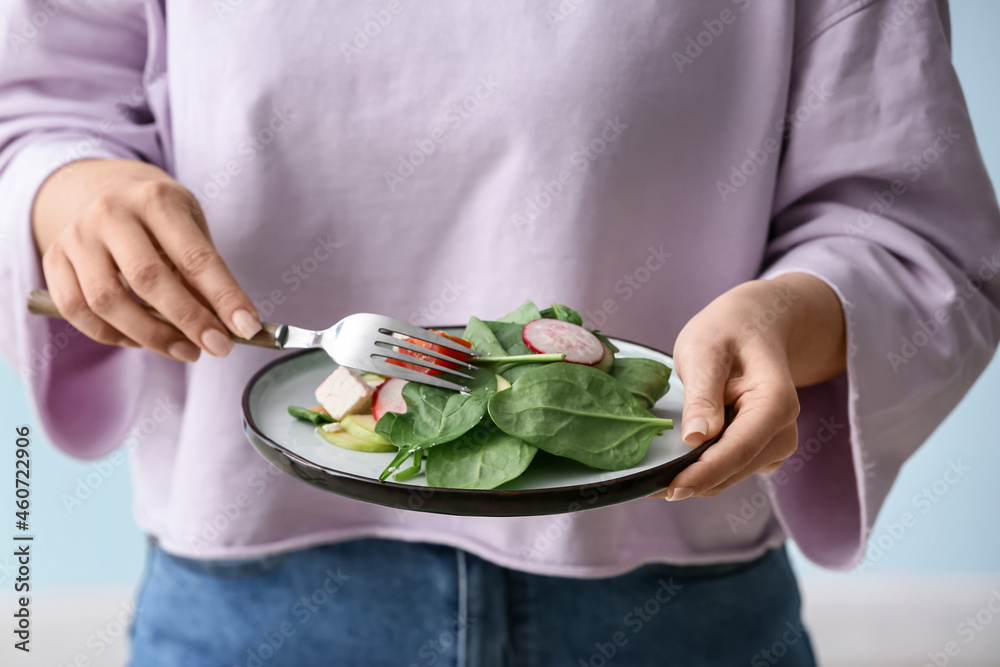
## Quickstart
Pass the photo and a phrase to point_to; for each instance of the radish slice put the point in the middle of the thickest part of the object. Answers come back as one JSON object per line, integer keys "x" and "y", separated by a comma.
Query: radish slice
{"x": 547, "y": 336}
{"x": 388, "y": 398}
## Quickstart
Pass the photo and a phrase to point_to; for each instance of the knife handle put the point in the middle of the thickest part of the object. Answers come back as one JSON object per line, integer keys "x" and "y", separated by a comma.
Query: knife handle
{"x": 40, "y": 303}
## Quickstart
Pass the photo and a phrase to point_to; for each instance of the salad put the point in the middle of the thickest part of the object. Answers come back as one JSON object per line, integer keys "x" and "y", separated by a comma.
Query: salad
{"x": 543, "y": 382}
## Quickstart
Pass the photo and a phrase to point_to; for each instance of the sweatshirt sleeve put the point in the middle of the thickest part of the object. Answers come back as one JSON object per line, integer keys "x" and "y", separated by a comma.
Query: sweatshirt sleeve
{"x": 76, "y": 81}
{"x": 883, "y": 195}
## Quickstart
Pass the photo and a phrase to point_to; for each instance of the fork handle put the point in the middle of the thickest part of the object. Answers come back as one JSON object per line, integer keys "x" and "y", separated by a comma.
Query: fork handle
{"x": 40, "y": 303}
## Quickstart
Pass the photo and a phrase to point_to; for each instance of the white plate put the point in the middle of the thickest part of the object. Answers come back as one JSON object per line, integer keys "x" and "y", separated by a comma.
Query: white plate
{"x": 550, "y": 485}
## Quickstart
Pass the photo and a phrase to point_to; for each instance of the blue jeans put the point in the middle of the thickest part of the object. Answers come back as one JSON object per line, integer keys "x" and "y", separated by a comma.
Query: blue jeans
{"x": 377, "y": 602}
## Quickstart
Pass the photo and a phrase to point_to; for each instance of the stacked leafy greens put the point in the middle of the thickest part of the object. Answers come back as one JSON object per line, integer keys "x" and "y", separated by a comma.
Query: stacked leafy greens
{"x": 595, "y": 414}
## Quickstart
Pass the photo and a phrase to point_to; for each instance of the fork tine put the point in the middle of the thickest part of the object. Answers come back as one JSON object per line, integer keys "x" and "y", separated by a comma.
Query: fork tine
{"x": 407, "y": 359}
{"x": 391, "y": 325}
{"x": 415, "y": 376}
{"x": 413, "y": 347}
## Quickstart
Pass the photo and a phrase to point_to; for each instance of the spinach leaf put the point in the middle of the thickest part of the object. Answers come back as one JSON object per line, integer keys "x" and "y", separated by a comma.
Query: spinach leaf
{"x": 648, "y": 380}
{"x": 578, "y": 412}
{"x": 318, "y": 418}
{"x": 560, "y": 312}
{"x": 511, "y": 372}
{"x": 525, "y": 313}
{"x": 434, "y": 416}
{"x": 483, "y": 340}
{"x": 604, "y": 339}
{"x": 510, "y": 336}
{"x": 483, "y": 458}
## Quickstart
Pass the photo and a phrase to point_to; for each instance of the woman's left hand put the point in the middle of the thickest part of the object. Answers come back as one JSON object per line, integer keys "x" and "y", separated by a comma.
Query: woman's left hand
{"x": 751, "y": 348}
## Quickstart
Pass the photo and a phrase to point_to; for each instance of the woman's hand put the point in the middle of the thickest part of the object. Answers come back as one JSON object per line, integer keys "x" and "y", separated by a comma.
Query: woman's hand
{"x": 97, "y": 222}
{"x": 751, "y": 348}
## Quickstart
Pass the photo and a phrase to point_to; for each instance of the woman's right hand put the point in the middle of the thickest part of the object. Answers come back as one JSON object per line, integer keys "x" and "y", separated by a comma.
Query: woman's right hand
{"x": 97, "y": 222}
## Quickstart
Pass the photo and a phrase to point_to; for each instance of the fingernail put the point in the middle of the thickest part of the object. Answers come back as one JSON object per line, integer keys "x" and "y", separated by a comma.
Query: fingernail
{"x": 216, "y": 342}
{"x": 183, "y": 351}
{"x": 680, "y": 493}
{"x": 695, "y": 425}
{"x": 246, "y": 324}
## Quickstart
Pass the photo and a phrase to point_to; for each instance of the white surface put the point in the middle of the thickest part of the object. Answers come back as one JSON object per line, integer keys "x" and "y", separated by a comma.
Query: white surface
{"x": 895, "y": 621}
{"x": 83, "y": 627}
{"x": 885, "y": 621}
{"x": 292, "y": 383}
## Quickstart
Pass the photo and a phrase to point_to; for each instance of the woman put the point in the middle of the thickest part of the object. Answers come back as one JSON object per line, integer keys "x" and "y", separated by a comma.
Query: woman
{"x": 786, "y": 195}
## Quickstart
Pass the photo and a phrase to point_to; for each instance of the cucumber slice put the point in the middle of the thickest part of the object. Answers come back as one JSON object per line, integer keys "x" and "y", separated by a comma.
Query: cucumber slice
{"x": 348, "y": 441}
{"x": 608, "y": 361}
{"x": 363, "y": 428}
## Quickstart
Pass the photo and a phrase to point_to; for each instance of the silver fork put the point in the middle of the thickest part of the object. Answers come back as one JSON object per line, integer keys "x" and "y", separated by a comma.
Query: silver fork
{"x": 364, "y": 342}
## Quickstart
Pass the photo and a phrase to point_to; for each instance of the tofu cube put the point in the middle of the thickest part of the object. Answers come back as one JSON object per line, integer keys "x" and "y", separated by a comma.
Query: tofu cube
{"x": 345, "y": 393}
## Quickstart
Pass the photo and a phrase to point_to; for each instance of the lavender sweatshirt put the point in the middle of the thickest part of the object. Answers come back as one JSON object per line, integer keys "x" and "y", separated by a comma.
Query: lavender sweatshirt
{"x": 431, "y": 161}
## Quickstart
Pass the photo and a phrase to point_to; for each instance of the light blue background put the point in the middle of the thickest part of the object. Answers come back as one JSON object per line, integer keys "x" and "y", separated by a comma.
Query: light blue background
{"x": 97, "y": 543}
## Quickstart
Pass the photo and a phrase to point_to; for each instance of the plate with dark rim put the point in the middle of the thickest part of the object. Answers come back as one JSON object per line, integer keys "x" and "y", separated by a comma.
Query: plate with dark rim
{"x": 551, "y": 485}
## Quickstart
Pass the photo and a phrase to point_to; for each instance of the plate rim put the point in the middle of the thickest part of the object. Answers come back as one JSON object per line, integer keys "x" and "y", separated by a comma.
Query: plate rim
{"x": 388, "y": 488}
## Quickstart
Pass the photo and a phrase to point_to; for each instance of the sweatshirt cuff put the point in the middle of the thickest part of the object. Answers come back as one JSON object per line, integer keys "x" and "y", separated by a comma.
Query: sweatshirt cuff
{"x": 84, "y": 393}
{"x": 856, "y": 430}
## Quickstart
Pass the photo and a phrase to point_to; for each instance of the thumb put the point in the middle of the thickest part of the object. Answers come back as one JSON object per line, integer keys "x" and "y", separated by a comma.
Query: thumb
{"x": 704, "y": 375}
